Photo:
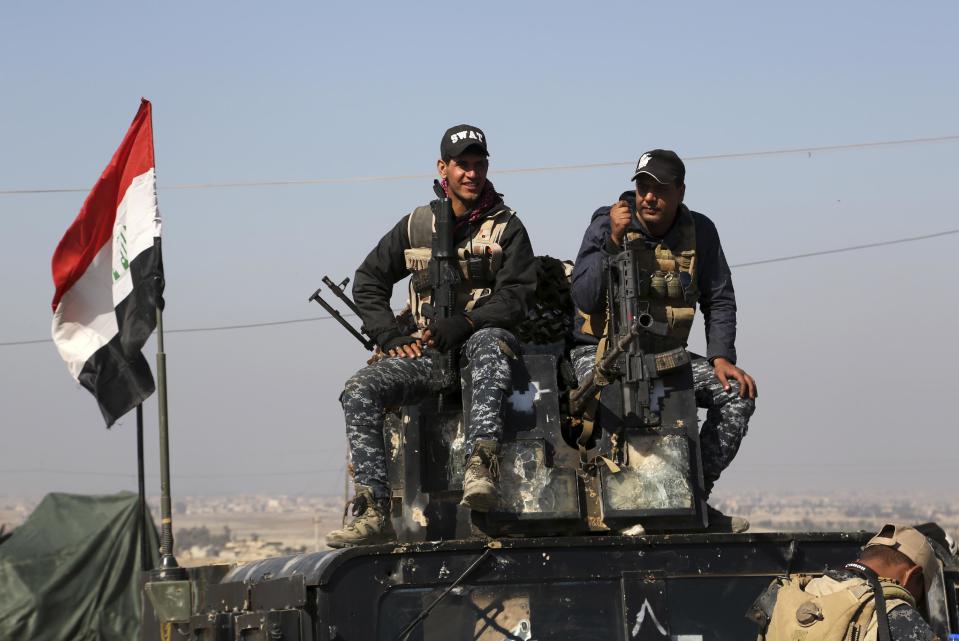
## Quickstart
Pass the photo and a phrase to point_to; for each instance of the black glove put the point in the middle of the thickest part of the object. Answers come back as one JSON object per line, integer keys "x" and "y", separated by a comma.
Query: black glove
{"x": 449, "y": 333}
{"x": 396, "y": 341}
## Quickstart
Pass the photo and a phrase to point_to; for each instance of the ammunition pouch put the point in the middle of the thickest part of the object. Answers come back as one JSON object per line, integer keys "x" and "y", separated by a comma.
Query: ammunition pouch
{"x": 480, "y": 258}
{"x": 663, "y": 362}
{"x": 670, "y": 288}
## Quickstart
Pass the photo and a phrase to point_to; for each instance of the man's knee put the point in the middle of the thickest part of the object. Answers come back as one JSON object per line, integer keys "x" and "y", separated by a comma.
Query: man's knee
{"x": 359, "y": 390}
{"x": 731, "y": 402}
{"x": 710, "y": 393}
{"x": 489, "y": 339}
{"x": 583, "y": 358}
{"x": 491, "y": 347}
{"x": 741, "y": 407}
{"x": 488, "y": 357}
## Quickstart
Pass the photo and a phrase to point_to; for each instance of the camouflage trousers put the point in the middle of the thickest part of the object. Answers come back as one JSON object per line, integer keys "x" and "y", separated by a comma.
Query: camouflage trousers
{"x": 727, "y": 415}
{"x": 393, "y": 382}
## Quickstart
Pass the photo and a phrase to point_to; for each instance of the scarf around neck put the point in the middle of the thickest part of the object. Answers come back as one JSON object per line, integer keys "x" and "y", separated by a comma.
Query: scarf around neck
{"x": 487, "y": 199}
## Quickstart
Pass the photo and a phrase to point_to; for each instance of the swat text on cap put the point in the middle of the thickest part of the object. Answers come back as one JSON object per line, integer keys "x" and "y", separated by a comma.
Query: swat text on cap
{"x": 458, "y": 139}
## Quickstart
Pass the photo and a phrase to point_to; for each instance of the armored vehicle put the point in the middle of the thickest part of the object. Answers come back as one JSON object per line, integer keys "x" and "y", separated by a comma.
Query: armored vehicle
{"x": 601, "y": 530}
{"x": 681, "y": 587}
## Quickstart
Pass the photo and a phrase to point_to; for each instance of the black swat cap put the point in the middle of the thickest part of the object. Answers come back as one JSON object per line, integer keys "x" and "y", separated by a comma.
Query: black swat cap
{"x": 458, "y": 139}
{"x": 663, "y": 165}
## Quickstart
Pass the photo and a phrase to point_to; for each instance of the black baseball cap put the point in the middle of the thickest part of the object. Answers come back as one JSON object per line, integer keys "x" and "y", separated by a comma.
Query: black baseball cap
{"x": 458, "y": 139}
{"x": 663, "y": 165}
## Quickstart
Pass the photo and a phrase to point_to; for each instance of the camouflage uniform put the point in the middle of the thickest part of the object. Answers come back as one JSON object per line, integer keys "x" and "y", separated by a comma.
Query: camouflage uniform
{"x": 727, "y": 415}
{"x": 906, "y": 624}
{"x": 406, "y": 381}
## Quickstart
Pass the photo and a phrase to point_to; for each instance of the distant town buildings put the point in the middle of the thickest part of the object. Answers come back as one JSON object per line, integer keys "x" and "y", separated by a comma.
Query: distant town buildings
{"x": 221, "y": 530}
{"x": 844, "y": 512}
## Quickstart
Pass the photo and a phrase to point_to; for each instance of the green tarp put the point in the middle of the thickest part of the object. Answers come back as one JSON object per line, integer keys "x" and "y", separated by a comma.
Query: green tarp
{"x": 72, "y": 570}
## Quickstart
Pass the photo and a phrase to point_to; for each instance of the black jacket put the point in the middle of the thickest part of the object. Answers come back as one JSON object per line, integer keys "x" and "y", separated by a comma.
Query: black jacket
{"x": 513, "y": 288}
{"x": 716, "y": 296}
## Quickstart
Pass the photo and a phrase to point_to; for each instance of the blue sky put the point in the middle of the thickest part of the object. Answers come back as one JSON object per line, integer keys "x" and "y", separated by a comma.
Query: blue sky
{"x": 851, "y": 351}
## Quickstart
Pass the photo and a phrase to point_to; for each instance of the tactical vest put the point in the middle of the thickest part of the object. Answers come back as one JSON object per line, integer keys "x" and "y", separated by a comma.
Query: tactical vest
{"x": 478, "y": 274}
{"x": 824, "y": 609}
{"x": 669, "y": 283}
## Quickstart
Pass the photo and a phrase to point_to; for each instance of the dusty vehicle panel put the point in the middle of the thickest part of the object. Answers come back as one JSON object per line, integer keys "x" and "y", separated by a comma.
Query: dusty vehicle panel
{"x": 686, "y": 587}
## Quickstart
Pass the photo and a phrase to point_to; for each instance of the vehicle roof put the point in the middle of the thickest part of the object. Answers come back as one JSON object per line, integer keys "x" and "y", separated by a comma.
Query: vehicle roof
{"x": 672, "y": 554}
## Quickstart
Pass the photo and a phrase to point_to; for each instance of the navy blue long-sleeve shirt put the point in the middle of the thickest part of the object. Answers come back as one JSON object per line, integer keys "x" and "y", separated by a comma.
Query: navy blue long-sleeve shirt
{"x": 716, "y": 296}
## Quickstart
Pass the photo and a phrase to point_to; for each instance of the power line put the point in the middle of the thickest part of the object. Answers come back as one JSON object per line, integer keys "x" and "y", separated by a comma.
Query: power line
{"x": 516, "y": 170}
{"x": 214, "y": 328}
{"x": 35, "y": 341}
{"x": 217, "y": 328}
{"x": 778, "y": 259}
{"x": 188, "y": 330}
{"x": 824, "y": 252}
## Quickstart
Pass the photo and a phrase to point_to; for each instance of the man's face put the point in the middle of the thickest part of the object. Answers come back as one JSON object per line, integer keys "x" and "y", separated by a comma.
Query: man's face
{"x": 657, "y": 204}
{"x": 465, "y": 174}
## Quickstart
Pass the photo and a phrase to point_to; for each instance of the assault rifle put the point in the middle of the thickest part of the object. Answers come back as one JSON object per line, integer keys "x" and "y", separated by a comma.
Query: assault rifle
{"x": 443, "y": 272}
{"x": 628, "y": 361}
{"x": 629, "y": 299}
{"x": 338, "y": 291}
{"x": 641, "y": 367}
{"x": 642, "y": 360}
{"x": 604, "y": 371}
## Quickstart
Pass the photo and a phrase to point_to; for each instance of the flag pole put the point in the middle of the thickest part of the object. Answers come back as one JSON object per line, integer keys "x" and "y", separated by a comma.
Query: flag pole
{"x": 141, "y": 491}
{"x": 169, "y": 589}
{"x": 169, "y": 568}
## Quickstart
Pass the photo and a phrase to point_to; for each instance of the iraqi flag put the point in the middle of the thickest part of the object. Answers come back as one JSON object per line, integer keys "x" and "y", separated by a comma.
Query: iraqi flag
{"x": 108, "y": 275}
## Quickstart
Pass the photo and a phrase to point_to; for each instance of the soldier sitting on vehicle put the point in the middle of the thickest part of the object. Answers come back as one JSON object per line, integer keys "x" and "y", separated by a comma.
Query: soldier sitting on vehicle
{"x": 846, "y": 604}
{"x": 690, "y": 268}
{"x": 492, "y": 298}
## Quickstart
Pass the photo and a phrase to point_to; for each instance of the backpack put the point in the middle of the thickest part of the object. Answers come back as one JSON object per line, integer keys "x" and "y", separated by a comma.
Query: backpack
{"x": 809, "y": 608}
{"x": 549, "y": 317}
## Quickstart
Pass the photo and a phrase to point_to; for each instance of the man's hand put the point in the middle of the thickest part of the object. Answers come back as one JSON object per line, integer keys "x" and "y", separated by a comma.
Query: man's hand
{"x": 403, "y": 347}
{"x": 619, "y": 219}
{"x": 448, "y": 333}
{"x": 725, "y": 370}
